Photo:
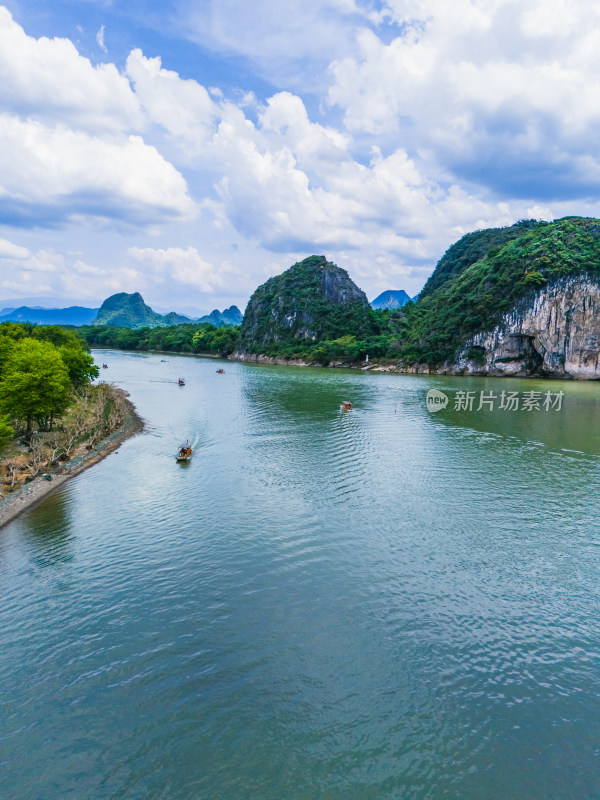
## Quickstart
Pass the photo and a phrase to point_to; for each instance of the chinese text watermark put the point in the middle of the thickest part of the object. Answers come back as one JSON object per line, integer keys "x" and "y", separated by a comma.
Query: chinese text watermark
{"x": 489, "y": 401}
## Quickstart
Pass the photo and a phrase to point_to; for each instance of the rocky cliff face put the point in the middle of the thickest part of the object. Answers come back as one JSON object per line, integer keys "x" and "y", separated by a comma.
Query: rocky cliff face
{"x": 556, "y": 332}
{"x": 312, "y": 300}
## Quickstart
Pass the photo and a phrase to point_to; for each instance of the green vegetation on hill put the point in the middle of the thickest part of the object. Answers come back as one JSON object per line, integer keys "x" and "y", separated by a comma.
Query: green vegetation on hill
{"x": 230, "y": 316}
{"x": 474, "y": 298}
{"x": 314, "y": 312}
{"x": 129, "y": 311}
{"x": 312, "y": 301}
{"x": 471, "y": 248}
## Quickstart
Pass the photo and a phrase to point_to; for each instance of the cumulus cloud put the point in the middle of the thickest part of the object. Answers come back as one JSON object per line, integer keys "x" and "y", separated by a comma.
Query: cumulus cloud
{"x": 54, "y": 173}
{"x": 174, "y": 264}
{"x": 48, "y": 79}
{"x": 440, "y": 118}
{"x": 182, "y": 107}
{"x": 499, "y": 93}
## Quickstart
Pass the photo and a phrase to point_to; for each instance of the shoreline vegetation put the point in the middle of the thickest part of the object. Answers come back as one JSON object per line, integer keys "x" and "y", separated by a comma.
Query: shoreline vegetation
{"x": 53, "y": 422}
{"x": 38, "y": 474}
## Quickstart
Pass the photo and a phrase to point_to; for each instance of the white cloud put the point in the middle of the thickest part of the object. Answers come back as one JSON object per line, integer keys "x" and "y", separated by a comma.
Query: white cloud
{"x": 54, "y": 173}
{"x": 100, "y": 39}
{"x": 439, "y": 118}
{"x": 13, "y": 251}
{"x": 498, "y": 92}
{"x": 281, "y": 39}
{"x": 183, "y": 107}
{"x": 174, "y": 264}
{"x": 48, "y": 79}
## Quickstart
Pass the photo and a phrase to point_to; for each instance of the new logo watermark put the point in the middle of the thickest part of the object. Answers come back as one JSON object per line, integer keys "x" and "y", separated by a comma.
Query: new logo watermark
{"x": 436, "y": 400}
{"x": 488, "y": 401}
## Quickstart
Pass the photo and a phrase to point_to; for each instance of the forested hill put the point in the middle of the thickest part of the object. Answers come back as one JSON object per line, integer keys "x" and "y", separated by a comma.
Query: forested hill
{"x": 129, "y": 311}
{"x": 472, "y": 247}
{"x": 311, "y": 301}
{"x": 230, "y": 316}
{"x": 392, "y": 298}
{"x": 469, "y": 298}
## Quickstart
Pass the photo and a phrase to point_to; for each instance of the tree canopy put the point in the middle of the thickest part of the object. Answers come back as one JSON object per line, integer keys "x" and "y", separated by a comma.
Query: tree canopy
{"x": 40, "y": 367}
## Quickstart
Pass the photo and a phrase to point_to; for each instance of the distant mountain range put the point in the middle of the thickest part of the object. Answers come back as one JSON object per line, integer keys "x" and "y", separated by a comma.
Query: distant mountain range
{"x": 121, "y": 310}
{"x": 74, "y": 315}
{"x": 231, "y": 316}
{"x": 130, "y": 311}
{"x": 393, "y": 298}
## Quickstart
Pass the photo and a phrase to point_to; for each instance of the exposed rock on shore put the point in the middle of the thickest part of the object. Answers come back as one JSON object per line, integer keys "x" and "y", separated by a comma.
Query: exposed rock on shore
{"x": 557, "y": 332}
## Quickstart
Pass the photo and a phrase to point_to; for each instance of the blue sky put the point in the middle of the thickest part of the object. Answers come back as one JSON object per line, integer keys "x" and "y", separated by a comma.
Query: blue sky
{"x": 189, "y": 150}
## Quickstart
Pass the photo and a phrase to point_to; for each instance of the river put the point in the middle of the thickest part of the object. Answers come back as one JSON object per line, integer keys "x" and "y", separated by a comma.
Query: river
{"x": 383, "y": 604}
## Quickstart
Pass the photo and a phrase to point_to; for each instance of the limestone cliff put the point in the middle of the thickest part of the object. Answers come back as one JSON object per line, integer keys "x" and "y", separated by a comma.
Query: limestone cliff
{"x": 555, "y": 331}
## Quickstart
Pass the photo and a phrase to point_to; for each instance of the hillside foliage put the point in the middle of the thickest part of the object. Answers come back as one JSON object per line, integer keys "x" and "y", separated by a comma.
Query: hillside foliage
{"x": 312, "y": 301}
{"x": 473, "y": 298}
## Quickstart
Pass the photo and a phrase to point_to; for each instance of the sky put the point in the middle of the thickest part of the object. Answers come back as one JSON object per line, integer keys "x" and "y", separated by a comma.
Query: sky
{"x": 191, "y": 149}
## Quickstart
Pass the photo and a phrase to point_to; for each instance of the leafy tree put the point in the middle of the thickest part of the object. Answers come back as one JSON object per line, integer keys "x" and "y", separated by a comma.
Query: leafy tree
{"x": 6, "y": 431}
{"x": 80, "y": 365}
{"x": 35, "y": 383}
{"x": 59, "y": 336}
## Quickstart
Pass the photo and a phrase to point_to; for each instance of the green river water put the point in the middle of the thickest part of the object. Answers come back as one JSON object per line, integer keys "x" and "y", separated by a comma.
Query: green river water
{"x": 381, "y": 604}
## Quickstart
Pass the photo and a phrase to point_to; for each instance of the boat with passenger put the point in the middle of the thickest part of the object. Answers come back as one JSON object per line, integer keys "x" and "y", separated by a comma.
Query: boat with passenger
{"x": 185, "y": 452}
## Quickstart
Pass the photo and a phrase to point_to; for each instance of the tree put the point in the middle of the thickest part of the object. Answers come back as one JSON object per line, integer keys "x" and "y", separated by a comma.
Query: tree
{"x": 79, "y": 364}
{"x": 58, "y": 336}
{"x": 35, "y": 382}
{"x": 6, "y": 431}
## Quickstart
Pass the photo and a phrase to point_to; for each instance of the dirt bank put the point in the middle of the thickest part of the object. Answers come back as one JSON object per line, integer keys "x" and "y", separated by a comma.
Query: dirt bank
{"x": 31, "y": 493}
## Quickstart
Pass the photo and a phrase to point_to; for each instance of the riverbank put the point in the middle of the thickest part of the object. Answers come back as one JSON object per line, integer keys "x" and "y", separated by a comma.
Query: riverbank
{"x": 465, "y": 369}
{"x": 25, "y": 497}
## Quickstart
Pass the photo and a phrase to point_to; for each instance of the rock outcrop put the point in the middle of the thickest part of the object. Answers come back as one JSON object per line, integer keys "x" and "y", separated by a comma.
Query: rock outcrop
{"x": 312, "y": 300}
{"x": 554, "y": 332}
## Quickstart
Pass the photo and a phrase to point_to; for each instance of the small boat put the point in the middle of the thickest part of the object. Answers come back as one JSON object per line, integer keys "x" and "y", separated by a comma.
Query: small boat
{"x": 346, "y": 406}
{"x": 220, "y": 371}
{"x": 185, "y": 452}
{"x": 181, "y": 382}
{"x": 104, "y": 366}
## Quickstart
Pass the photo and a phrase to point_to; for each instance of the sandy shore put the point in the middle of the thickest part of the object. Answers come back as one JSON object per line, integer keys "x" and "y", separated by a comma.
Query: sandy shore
{"x": 27, "y": 496}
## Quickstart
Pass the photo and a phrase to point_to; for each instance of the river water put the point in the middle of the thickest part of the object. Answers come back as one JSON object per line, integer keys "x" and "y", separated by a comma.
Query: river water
{"x": 380, "y": 604}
